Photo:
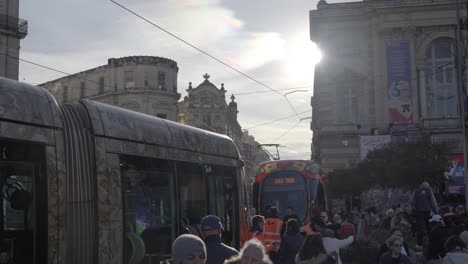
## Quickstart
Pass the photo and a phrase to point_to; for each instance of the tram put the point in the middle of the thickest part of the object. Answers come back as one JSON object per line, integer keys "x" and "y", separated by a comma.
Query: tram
{"x": 289, "y": 183}
{"x": 87, "y": 182}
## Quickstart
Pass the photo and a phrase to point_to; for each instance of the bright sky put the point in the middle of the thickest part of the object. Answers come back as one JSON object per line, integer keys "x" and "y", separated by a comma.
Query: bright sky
{"x": 266, "y": 39}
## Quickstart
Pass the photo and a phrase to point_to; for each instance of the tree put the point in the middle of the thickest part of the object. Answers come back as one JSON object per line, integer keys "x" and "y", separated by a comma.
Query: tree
{"x": 397, "y": 164}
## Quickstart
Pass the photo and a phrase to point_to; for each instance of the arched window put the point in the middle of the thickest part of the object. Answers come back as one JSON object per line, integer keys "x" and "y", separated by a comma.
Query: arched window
{"x": 441, "y": 79}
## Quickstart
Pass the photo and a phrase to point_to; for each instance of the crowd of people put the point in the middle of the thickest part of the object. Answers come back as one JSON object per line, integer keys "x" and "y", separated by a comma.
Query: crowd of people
{"x": 440, "y": 233}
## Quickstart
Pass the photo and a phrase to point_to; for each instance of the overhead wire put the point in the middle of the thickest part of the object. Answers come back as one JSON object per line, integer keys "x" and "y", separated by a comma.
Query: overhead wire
{"x": 202, "y": 51}
{"x": 287, "y": 131}
{"x": 276, "y": 120}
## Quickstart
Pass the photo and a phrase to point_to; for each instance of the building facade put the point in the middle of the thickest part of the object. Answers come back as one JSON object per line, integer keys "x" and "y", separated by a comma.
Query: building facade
{"x": 12, "y": 30}
{"x": 388, "y": 68}
{"x": 205, "y": 107}
{"x": 251, "y": 149}
{"x": 144, "y": 84}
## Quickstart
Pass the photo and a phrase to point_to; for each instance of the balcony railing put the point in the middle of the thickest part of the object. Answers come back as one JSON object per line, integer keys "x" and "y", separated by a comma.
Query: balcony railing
{"x": 18, "y": 26}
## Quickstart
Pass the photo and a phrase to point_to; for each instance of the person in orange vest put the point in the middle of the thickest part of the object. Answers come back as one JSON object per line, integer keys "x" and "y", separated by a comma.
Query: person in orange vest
{"x": 272, "y": 233}
{"x": 258, "y": 224}
{"x": 315, "y": 224}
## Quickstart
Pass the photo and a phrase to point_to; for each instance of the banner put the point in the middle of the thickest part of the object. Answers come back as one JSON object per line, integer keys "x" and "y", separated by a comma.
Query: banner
{"x": 455, "y": 175}
{"x": 369, "y": 143}
{"x": 400, "y": 110}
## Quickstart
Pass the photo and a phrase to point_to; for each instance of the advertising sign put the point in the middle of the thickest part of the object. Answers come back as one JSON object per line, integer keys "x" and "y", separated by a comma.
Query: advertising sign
{"x": 455, "y": 175}
{"x": 400, "y": 110}
{"x": 369, "y": 143}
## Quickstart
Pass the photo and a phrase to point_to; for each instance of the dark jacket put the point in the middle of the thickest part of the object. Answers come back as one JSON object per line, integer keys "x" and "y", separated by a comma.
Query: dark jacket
{"x": 384, "y": 249}
{"x": 290, "y": 245}
{"x": 423, "y": 199}
{"x": 387, "y": 259}
{"x": 437, "y": 238}
{"x": 216, "y": 251}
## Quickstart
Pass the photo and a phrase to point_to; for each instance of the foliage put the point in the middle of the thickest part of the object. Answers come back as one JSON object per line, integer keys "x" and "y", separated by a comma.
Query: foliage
{"x": 397, "y": 164}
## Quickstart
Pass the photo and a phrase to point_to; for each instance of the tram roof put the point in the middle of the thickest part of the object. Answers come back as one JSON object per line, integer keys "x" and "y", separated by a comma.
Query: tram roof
{"x": 286, "y": 162}
{"x": 24, "y": 103}
{"x": 118, "y": 123}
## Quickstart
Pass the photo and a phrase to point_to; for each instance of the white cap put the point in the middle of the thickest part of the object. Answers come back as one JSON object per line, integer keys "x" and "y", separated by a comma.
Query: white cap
{"x": 437, "y": 218}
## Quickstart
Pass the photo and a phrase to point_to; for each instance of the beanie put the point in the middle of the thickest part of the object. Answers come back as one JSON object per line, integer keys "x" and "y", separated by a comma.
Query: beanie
{"x": 184, "y": 245}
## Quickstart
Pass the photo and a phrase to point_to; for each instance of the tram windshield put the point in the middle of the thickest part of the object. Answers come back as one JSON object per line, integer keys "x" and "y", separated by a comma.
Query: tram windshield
{"x": 284, "y": 189}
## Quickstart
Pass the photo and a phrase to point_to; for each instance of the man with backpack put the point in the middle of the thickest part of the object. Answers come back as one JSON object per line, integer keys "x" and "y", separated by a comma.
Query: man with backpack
{"x": 423, "y": 202}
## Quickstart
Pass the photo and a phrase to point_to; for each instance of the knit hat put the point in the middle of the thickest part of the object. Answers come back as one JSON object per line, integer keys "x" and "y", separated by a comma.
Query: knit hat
{"x": 211, "y": 222}
{"x": 185, "y": 245}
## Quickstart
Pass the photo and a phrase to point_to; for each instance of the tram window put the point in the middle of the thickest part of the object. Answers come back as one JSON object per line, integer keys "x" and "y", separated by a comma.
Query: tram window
{"x": 20, "y": 181}
{"x": 148, "y": 206}
{"x": 222, "y": 201}
{"x": 192, "y": 196}
{"x": 23, "y": 196}
{"x": 283, "y": 189}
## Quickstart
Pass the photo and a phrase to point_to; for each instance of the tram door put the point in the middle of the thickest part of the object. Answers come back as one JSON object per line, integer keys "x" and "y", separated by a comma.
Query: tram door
{"x": 20, "y": 238}
{"x": 223, "y": 199}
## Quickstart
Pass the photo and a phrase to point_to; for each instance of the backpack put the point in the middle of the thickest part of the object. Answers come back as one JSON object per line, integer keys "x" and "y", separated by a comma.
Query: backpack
{"x": 423, "y": 199}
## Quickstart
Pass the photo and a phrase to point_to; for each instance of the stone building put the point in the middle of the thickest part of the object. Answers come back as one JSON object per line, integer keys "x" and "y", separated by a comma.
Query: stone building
{"x": 144, "y": 84}
{"x": 251, "y": 149}
{"x": 205, "y": 107}
{"x": 252, "y": 154}
{"x": 12, "y": 30}
{"x": 388, "y": 68}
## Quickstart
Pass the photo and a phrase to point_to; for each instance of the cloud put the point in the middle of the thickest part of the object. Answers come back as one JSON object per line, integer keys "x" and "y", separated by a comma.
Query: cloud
{"x": 77, "y": 35}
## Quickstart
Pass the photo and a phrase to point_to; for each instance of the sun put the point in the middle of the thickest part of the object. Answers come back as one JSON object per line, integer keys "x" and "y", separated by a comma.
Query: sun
{"x": 301, "y": 57}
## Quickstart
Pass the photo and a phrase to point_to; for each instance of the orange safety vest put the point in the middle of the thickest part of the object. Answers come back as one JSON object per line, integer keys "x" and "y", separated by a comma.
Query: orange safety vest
{"x": 308, "y": 230}
{"x": 257, "y": 235}
{"x": 272, "y": 233}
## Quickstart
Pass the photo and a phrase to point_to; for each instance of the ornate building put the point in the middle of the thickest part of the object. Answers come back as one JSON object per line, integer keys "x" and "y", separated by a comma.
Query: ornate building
{"x": 143, "y": 84}
{"x": 12, "y": 30}
{"x": 205, "y": 107}
{"x": 389, "y": 68}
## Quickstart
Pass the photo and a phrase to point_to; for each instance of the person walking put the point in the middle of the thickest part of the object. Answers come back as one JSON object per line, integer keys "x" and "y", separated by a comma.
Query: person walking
{"x": 315, "y": 225}
{"x": 291, "y": 215}
{"x": 332, "y": 244}
{"x": 256, "y": 231}
{"x": 347, "y": 228}
{"x": 386, "y": 223}
{"x": 386, "y": 247}
{"x": 217, "y": 252}
{"x": 437, "y": 238}
{"x": 253, "y": 252}
{"x": 272, "y": 233}
{"x": 423, "y": 202}
{"x": 188, "y": 249}
{"x": 313, "y": 251}
{"x": 394, "y": 255}
{"x": 456, "y": 251}
{"x": 291, "y": 242}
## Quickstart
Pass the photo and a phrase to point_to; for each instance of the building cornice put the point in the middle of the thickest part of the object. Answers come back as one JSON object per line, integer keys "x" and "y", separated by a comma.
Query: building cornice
{"x": 135, "y": 92}
{"x": 120, "y": 62}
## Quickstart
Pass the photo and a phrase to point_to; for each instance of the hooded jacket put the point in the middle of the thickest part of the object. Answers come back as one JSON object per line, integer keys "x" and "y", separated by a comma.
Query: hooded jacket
{"x": 423, "y": 199}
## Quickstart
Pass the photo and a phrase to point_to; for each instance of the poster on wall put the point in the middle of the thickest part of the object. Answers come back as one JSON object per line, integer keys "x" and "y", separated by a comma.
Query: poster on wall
{"x": 455, "y": 175}
{"x": 369, "y": 143}
{"x": 400, "y": 110}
